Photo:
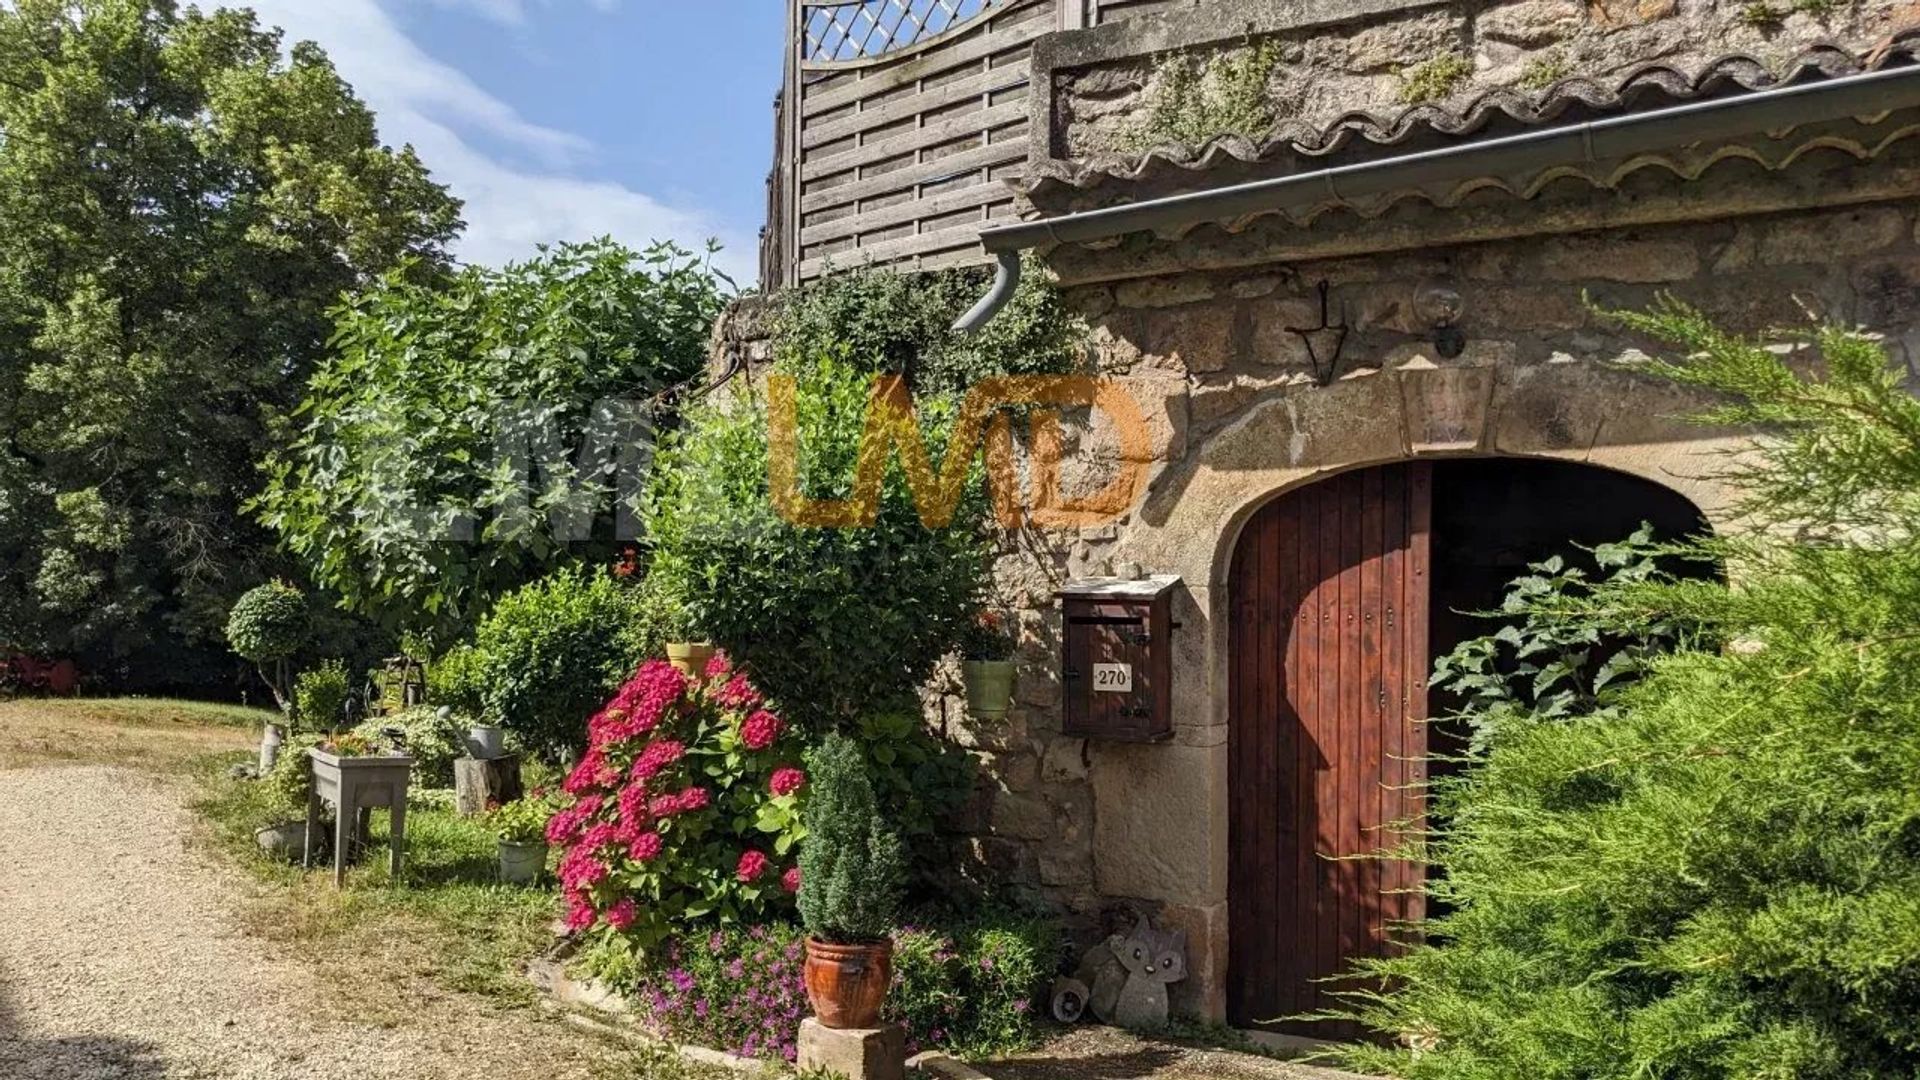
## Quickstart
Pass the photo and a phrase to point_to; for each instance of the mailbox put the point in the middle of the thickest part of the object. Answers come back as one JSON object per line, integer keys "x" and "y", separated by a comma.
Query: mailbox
{"x": 1118, "y": 669}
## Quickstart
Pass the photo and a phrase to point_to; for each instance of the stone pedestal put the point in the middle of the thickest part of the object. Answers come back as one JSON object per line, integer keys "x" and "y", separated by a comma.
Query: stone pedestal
{"x": 857, "y": 1054}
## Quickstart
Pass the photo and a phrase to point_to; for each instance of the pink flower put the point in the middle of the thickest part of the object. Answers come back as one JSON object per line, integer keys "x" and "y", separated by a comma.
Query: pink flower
{"x": 604, "y": 834}
{"x": 718, "y": 666}
{"x": 760, "y": 730}
{"x": 786, "y": 780}
{"x": 580, "y": 914}
{"x": 739, "y": 694}
{"x": 624, "y": 914}
{"x": 790, "y": 880}
{"x": 692, "y": 799}
{"x": 639, "y": 704}
{"x": 752, "y": 865}
{"x": 579, "y": 870}
{"x": 658, "y": 755}
{"x": 562, "y": 827}
{"x": 664, "y": 806}
{"x": 633, "y": 805}
{"x": 586, "y": 775}
{"x": 646, "y": 847}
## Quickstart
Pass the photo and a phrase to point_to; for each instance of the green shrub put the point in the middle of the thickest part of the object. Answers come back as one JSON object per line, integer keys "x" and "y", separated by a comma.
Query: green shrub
{"x": 291, "y": 777}
{"x": 433, "y": 741}
{"x": 852, "y": 866}
{"x": 267, "y": 625}
{"x": 978, "y": 987}
{"x": 974, "y": 988}
{"x": 829, "y": 620}
{"x": 919, "y": 780}
{"x": 320, "y": 695}
{"x": 547, "y": 656}
{"x": 1714, "y": 871}
{"x": 886, "y": 321}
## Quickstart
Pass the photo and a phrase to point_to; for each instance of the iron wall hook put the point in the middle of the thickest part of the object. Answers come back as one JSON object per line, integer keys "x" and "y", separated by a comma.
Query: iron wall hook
{"x": 1325, "y": 371}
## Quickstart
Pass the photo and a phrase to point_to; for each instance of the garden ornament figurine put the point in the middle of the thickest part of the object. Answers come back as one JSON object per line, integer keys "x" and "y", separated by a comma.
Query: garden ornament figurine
{"x": 1123, "y": 980}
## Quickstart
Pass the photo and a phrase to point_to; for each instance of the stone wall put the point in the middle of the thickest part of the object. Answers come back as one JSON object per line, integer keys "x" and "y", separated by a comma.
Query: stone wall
{"x": 1238, "y": 415}
{"x": 1337, "y": 57}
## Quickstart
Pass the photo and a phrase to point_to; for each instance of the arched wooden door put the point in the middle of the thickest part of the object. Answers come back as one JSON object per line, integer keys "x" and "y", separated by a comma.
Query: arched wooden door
{"x": 1329, "y": 595}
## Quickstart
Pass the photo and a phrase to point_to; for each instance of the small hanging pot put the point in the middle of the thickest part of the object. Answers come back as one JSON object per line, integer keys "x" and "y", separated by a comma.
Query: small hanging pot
{"x": 989, "y": 686}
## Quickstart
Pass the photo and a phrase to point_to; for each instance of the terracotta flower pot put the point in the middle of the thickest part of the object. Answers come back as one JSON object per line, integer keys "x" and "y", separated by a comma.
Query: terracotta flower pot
{"x": 690, "y": 657}
{"x": 989, "y": 687}
{"x": 847, "y": 983}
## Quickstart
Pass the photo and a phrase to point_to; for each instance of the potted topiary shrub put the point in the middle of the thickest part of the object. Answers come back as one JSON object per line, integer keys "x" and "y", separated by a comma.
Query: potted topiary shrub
{"x": 266, "y": 626}
{"x": 987, "y": 667}
{"x": 671, "y": 618}
{"x": 852, "y": 872}
{"x": 521, "y": 828}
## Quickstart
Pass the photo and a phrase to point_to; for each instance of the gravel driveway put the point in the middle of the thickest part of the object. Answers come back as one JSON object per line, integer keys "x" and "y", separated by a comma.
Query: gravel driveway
{"x": 122, "y": 955}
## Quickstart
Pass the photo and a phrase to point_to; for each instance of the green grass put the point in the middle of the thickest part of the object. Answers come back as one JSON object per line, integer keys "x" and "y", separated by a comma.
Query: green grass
{"x": 447, "y": 917}
{"x": 156, "y": 712}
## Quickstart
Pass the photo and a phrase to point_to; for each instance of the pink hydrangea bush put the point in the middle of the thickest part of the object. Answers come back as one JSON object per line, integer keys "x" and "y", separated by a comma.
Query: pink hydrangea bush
{"x": 685, "y": 808}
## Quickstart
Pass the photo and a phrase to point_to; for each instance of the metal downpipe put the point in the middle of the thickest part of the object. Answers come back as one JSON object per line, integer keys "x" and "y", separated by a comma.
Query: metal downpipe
{"x": 1006, "y": 278}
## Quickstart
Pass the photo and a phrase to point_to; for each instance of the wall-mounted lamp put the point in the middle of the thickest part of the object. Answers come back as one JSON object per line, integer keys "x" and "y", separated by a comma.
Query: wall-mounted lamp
{"x": 1442, "y": 307}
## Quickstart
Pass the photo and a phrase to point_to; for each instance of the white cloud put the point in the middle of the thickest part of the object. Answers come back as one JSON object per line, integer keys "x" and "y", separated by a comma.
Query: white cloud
{"x": 528, "y": 190}
{"x": 514, "y": 12}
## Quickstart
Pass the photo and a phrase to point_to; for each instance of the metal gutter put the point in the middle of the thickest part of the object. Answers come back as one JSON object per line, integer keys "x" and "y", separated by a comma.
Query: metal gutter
{"x": 1863, "y": 95}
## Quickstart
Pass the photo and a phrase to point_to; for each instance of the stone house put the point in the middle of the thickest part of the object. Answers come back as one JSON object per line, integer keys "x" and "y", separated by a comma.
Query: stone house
{"x": 1346, "y": 256}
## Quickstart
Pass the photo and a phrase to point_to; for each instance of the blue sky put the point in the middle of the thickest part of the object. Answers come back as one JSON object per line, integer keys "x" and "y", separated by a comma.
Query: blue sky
{"x": 566, "y": 119}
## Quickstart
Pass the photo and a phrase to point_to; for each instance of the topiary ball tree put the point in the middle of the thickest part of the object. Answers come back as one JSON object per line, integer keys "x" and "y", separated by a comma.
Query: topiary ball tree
{"x": 852, "y": 866}
{"x": 267, "y": 626}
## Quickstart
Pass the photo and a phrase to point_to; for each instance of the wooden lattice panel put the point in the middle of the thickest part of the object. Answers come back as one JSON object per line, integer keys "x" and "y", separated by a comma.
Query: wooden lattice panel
{"x": 862, "y": 29}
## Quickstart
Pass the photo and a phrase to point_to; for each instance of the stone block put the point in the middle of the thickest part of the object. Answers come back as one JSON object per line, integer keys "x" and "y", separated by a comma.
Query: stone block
{"x": 1203, "y": 993}
{"x": 1814, "y": 238}
{"x": 1160, "y": 821}
{"x": 1022, "y": 817}
{"x": 1619, "y": 257}
{"x": 1531, "y": 22}
{"x": 1161, "y": 292}
{"x": 1064, "y": 760}
{"x": 1273, "y": 342}
{"x": 1446, "y": 408}
{"x": 1196, "y": 337}
{"x": 856, "y": 1054}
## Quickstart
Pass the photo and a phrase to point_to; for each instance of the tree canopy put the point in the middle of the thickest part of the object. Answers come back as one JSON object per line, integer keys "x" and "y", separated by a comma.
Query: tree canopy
{"x": 508, "y": 410}
{"x": 181, "y": 202}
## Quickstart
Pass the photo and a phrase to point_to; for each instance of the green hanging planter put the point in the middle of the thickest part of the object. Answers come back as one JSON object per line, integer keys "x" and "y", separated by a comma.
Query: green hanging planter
{"x": 989, "y": 687}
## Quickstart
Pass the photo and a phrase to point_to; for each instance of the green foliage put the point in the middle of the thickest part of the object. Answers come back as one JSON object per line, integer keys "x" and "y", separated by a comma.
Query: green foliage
{"x": 852, "y": 866}
{"x": 1544, "y": 70}
{"x": 1431, "y": 80}
{"x": 1192, "y": 102}
{"x": 971, "y": 987}
{"x": 1715, "y": 874}
{"x": 976, "y": 988}
{"x": 432, "y": 741}
{"x": 547, "y": 656}
{"x": 320, "y": 695}
{"x": 829, "y": 620}
{"x": 885, "y": 321}
{"x": 523, "y": 821}
{"x": 286, "y": 785}
{"x": 510, "y": 407}
{"x": 269, "y": 623}
{"x": 183, "y": 199}
{"x": 919, "y": 780}
{"x": 1559, "y": 657}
